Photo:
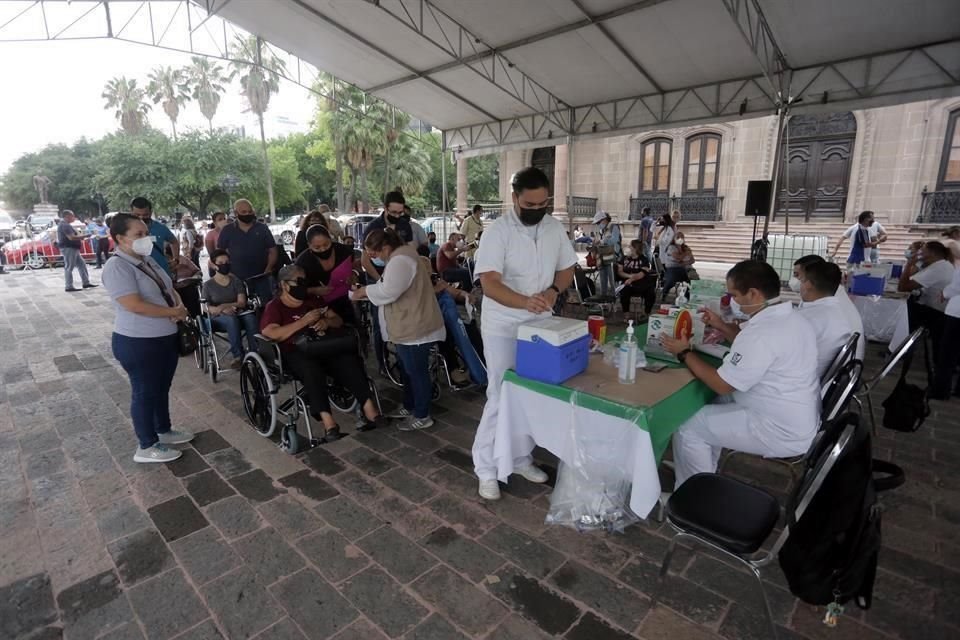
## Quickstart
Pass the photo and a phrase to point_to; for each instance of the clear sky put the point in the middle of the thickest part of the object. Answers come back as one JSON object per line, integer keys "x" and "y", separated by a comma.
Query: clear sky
{"x": 51, "y": 94}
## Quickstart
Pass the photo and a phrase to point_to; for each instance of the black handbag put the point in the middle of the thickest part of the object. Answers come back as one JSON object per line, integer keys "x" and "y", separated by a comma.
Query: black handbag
{"x": 188, "y": 335}
{"x": 908, "y": 405}
{"x": 333, "y": 342}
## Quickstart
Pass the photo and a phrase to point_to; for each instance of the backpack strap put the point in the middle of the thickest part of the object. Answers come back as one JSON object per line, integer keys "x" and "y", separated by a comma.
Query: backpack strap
{"x": 892, "y": 475}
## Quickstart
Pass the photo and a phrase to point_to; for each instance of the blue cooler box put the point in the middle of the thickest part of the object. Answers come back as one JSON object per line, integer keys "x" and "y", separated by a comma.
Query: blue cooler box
{"x": 552, "y": 350}
{"x": 867, "y": 285}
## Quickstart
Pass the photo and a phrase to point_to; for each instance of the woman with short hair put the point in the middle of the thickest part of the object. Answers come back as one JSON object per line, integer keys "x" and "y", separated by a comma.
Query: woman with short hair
{"x": 145, "y": 336}
{"x": 226, "y": 297}
{"x": 409, "y": 317}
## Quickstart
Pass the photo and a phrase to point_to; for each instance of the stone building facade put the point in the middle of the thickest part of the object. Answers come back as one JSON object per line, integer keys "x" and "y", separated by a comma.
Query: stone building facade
{"x": 839, "y": 164}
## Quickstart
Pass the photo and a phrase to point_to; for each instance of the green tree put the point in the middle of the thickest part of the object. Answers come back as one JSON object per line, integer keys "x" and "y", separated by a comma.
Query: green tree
{"x": 208, "y": 84}
{"x": 129, "y": 103}
{"x": 406, "y": 164}
{"x": 169, "y": 87}
{"x": 71, "y": 168}
{"x": 259, "y": 73}
{"x": 319, "y": 179}
{"x": 289, "y": 188}
{"x": 483, "y": 178}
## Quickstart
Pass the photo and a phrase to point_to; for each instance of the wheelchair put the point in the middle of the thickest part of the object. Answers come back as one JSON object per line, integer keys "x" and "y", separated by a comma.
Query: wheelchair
{"x": 438, "y": 366}
{"x": 262, "y": 381}
{"x": 213, "y": 343}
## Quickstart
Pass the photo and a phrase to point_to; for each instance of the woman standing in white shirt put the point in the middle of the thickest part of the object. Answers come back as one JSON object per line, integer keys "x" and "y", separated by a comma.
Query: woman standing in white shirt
{"x": 949, "y": 354}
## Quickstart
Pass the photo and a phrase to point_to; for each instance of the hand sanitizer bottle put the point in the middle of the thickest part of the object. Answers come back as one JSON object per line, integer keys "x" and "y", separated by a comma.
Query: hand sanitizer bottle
{"x": 628, "y": 357}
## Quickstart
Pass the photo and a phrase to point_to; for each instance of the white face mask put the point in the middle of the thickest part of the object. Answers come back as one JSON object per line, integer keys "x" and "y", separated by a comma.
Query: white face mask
{"x": 144, "y": 246}
{"x": 794, "y": 284}
{"x": 678, "y": 242}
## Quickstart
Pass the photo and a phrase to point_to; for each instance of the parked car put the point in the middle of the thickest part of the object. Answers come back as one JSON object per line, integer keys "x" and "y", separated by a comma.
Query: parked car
{"x": 7, "y": 226}
{"x": 40, "y": 221}
{"x": 39, "y": 251}
{"x": 286, "y": 231}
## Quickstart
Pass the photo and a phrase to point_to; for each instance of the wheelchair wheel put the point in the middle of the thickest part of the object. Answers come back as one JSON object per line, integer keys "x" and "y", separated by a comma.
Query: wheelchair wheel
{"x": 391, "y": 364}
{"x": 259, "y": 394}
{"x": 200, "y": 355}
{"x": 435, "y": 390}
{"x": 213, "y": 365}
{"x": 290, "y": 439}
{"x": 341, "y": 399}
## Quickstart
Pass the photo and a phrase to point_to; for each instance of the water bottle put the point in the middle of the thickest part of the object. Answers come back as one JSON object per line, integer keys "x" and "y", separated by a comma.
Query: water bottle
{"x": 628, "y": 357}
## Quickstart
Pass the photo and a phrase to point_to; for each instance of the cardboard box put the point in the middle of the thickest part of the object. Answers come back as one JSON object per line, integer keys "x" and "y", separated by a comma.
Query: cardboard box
{"x": 675, "y": 322}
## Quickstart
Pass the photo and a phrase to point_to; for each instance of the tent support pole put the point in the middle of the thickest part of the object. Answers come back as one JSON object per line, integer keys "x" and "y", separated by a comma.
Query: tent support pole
{"x": 443, "y": 175}
{"x": 781, "y": 120}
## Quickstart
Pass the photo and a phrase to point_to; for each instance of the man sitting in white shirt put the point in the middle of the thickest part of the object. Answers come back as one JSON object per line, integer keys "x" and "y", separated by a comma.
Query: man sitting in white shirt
{"x": 770, "y": 392}
{"x": 926, "y": 308}
{"x": 821, "y": 308}
{"x": 853, "y": 317}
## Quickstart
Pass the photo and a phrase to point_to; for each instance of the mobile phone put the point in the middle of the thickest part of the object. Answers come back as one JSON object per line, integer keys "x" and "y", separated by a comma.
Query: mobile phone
{"x": 654, "y": 367}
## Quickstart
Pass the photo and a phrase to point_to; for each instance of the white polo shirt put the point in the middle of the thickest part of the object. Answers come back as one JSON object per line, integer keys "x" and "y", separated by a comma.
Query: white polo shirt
{"x": 952, "y": 293}
{"x": 873, "y": 231}
{"x": 528, "y": 259}
{"x": 831, "y": 327}
{"x": 854, "y": 319}
{"x": 934, "y": 278}
{"x": 772, "y": 364}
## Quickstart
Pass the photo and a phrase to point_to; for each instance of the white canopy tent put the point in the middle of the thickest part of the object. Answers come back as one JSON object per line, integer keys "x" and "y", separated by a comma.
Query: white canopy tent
{"x": 498, "y": 73}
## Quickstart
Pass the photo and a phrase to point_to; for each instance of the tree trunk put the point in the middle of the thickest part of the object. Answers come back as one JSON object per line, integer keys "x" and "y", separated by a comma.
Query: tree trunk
{"x": 341, "y": 197}
{"x": 363, "y": 183}
{"x": 353, "y": 191}
{"x": 266, "y": 167}
{"x": 386, "y": 169}
{"x": 210, "y": 125}
{"x": 173, "y": 124}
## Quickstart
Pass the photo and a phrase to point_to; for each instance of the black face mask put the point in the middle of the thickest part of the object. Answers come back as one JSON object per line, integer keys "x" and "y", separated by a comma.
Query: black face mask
{"x": 248, "y": 219}
{"x": 298, "y": 291}
{"x": 532, "y": 217}
{"x": 224, "y": 269}
{"x": 394, "y": 219}
{"x": 323, "y": 255}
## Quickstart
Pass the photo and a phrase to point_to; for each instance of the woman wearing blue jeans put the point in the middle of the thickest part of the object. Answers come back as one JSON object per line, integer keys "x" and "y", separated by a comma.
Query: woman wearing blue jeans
{"x": 145, "y": 336}
{"x": 410, "y": 318}
{"x": 226, "y": 298}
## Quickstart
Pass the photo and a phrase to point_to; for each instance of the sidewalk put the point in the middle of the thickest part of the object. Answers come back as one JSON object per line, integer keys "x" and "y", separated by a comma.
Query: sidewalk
{"x": 380, "y": 535}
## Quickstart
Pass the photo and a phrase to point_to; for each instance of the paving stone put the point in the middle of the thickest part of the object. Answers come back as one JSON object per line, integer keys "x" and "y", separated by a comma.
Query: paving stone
{"x": 206, "y": 630}
{"x": 457, "y": 482}
{"x": 323, "y": 462}
{"x": 241, "y": 603}
{"x": 177, "y": 518}
{"x": 188, "y": 463}
{"x": 286, "y": 629}
{"x": 360, "y": 486}
{"x": 536, "y": 558}
{"x": 46, "y": 633}
{"x": 256, "y": 485}
{"x": 717, "y": 576}
{"x": 519, "y": 487}
{"x": 234, "y": 517}
{"x": 26, "y": 605}
{"x": 317, "y": 608}
{"x": 120, "y": 518}
{"x": 155, "y": 485}
{"x": 105, "y": 487}
{"x": 166, "y": 604}
{"x": 42, "y": 440}
{"x": 456, "y": 457}
{"x": 207, "y": 487}
{"x": 520, "y": 514}
{"x": 140, "y": 556}
{"x": 269, "y": 556}
{"x": 904, "y": 622}
{"x": 368, "y": 461}
{"x": 361, "y": 630}
{"x": 93, "y": 605}
{"x": 622, "y": 605}
{"x": 464, "y": 604}
{"x": 398, "y": 555}
{"x": 205, "y": 555}
{"x": 335, "y": 556}
{"x": 591, "y": 547}
{"x": 46, "y": 463}
{"x": 289, "y": 517}
{"x": 208, "y": 441}
{"x": 229, "y": 462}
{"x": 346, "y": 515}
{"x": 126, "y": 631}
{"x": 384, "y": 601}
{"x": 516, "y": 628}
{"x": 461, "y": 553}
{"x": 533, "y": 600}
{"x": 408, "y": 485}
{"x": 415, "y": 460}
{"x": 590, "y": 627}
{"x": 379, "y": 440}
{"x": 309, "y": 485}
{"x": 462, "y": 516}
{"x": 68, "y": 364}
{"x": 422, "y": 441}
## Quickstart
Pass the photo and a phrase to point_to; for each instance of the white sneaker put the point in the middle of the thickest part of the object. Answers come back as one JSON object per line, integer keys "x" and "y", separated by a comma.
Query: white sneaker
{"x": 532, "y": 473}
{"x": 156, "y": 453}
{"x": 489, "y": 490}
{"x": 415, "y": 424}
{"x": 175, "y": 437}
{"x": 400, "y": 414}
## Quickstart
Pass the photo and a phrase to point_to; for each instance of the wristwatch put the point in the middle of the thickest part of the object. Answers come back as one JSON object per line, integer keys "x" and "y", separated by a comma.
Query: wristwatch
{"x": 554, "y": 287}
{"x": 682, "y": 356}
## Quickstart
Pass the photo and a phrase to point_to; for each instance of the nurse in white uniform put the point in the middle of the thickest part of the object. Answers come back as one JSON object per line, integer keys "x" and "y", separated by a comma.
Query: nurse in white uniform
{"x": 524, "y": 262}
{"x": 850, "y": 314}
{"x": 770, "y": 393}
{"x": 822, "y": 309}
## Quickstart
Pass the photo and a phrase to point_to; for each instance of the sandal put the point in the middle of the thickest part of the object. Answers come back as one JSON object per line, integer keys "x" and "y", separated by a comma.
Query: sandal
{"x": 331, "y": 435}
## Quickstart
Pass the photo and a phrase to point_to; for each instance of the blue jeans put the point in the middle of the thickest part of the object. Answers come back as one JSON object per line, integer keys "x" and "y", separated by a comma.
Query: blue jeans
{"x": 672, "y": 276}
{"x": 455, "y": 328}
{"x": 150, "y": 363}
{"x": 458, "y": 274}
{"x": 607, "y": 282}
{"x": 417, "y": 385}
{"x": 232, "y": 325}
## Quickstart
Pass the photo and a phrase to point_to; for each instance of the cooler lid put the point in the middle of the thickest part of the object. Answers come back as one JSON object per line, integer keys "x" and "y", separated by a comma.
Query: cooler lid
{"x": 555, "y": 330}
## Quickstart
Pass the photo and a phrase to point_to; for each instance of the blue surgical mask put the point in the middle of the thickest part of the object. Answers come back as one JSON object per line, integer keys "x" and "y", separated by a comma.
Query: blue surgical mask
{"x": 378, "y": 262}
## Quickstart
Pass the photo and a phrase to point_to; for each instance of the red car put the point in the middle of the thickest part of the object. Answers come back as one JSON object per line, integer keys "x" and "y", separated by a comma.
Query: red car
{"x": 38, "y": 252}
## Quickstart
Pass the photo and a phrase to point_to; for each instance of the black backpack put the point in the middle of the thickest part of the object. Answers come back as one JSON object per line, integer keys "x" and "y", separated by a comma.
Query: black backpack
{"x": 908, "y": 405}
{"x": 832, "y": 551}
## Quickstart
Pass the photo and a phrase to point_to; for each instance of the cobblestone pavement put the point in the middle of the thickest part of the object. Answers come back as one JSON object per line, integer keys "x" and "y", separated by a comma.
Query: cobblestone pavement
{"x": 380, "y": 535}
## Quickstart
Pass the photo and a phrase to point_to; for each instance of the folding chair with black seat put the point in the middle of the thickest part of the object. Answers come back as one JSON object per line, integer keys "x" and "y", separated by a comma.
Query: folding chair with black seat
{"x": 584, "y": 291}
{"x": 846, "y": 354}
{"x": 867, "y": 386}
{"x": 735, "y": 518}
{"x": 835, "y": 397}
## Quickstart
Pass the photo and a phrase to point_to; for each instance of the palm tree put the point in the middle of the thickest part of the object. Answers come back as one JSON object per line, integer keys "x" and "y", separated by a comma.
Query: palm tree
{"x": 409, "y": 166}
{"x": 259, "y": 73}
{"x": 208, "y": 82}
{"x": 169, "y": 86}
{"x": 130, "y": 103}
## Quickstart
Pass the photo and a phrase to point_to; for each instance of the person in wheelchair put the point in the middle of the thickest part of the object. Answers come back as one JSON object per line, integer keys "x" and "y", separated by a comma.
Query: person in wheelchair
{"x": 186, "y": 278}
{"x": 458, "y": 345}
{"x": 328, "y": 267}
{"x": 226, "y": 297}
{"x": 314, "y": 346}
{"x": 636, "y": 278}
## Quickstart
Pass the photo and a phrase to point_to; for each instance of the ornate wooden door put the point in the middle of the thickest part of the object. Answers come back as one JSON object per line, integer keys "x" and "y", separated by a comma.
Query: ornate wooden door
{"x": 544, "y": 158}
{"x": 816, "y": 173}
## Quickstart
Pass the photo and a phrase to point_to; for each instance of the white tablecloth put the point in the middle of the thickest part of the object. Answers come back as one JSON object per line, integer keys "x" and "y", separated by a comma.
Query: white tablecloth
{"x": 527, "y": 418}
{"x": 884, "y": 319}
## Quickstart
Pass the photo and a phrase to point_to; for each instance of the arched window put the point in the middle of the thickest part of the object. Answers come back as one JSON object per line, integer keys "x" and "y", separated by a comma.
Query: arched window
{"x": 544, "y": 158}
{"x": 949, "y": 178}
{"x": 655, "y": 166}
{"x": 702, "y": 164}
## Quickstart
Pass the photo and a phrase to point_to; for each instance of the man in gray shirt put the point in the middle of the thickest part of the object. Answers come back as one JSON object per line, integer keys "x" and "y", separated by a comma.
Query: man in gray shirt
{"x": 71, "y": 242}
